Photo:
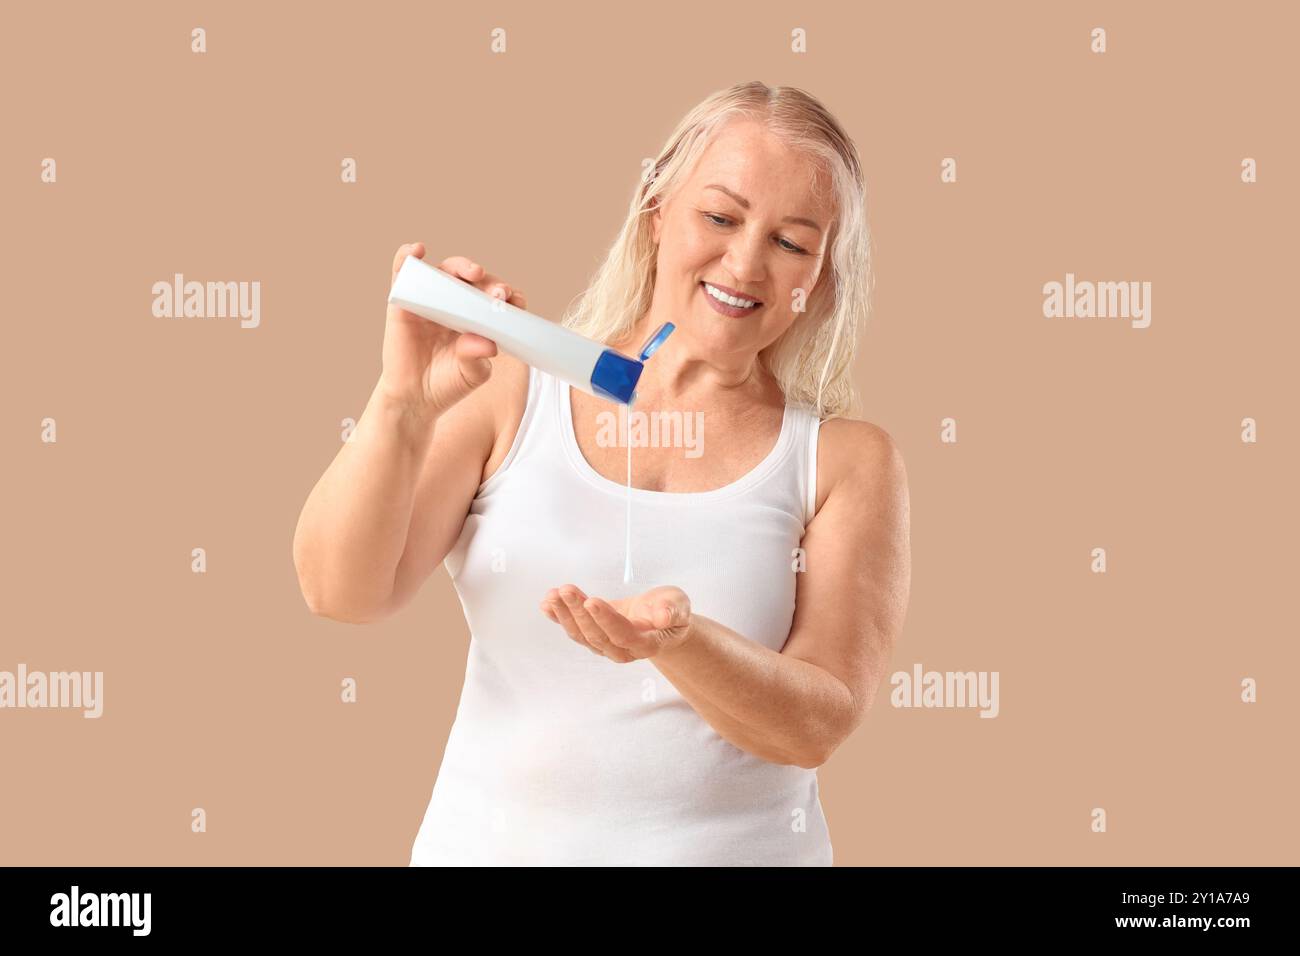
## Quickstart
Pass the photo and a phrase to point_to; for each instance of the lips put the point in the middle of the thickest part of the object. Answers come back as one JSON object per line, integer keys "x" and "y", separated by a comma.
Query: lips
{"x": 731, "y": 311}
{"x": 734, "y": 293}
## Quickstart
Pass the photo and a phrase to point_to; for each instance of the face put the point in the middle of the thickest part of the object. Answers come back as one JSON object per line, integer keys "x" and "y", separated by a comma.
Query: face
{"x": 748, "y": 223}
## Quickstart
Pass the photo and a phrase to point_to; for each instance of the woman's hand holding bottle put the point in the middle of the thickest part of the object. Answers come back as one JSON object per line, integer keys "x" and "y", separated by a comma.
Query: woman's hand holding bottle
{"x": 427, "y": 367}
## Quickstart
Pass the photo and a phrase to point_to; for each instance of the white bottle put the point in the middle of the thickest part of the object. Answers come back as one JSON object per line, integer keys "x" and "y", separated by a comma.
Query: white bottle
{"x": 427, "y": 291}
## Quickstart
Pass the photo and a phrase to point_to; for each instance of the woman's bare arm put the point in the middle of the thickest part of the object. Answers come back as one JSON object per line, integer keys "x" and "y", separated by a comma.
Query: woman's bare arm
{"x": 403, "y": 483}
{"x": 446, "y": 487}
{"x": 354, "y": 527}
{"x": 797, "y": 706}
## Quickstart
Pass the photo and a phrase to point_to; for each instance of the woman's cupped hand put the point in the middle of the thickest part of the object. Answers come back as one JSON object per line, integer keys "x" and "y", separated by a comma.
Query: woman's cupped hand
{"x": 626, "y": 629}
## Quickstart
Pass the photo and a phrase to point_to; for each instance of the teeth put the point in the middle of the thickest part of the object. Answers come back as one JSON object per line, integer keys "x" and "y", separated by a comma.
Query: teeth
{"x": 728, "y": 299}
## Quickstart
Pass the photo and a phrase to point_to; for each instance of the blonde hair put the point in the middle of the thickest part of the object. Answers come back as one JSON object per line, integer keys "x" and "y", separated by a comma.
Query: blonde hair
{"x": 812, "y": 360}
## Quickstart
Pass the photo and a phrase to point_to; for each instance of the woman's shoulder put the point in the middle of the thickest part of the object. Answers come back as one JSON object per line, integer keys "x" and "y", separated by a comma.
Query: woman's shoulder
{"x": 858, "y": 458}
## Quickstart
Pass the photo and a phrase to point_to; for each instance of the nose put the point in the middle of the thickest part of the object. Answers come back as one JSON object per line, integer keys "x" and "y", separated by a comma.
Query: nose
{"x": 744, "y": 257}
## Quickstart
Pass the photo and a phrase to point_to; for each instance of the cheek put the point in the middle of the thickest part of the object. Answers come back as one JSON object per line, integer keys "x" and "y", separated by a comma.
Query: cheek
{"x": 798, "y": 276}
{"x": 807, "y": 275}
{"x": 697, "y": 248}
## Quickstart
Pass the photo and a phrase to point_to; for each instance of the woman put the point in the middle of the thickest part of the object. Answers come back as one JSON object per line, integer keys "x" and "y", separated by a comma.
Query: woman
{"x": 678, "y": 719}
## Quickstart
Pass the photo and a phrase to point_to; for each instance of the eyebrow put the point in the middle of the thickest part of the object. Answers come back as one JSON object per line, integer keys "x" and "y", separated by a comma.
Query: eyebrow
{"x": 744, "y": 203}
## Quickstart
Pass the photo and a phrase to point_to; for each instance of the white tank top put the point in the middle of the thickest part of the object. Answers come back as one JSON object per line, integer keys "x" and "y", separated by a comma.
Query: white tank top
{"x": 562, "y": 757}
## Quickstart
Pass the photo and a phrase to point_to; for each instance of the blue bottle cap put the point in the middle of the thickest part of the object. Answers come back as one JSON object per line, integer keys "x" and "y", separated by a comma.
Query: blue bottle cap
{"x": 656, "y": 340}
{"x": 615, "y": 376}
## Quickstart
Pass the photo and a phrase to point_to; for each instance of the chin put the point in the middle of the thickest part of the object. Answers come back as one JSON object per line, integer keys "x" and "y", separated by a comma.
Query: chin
{"x": 723, "y": 335}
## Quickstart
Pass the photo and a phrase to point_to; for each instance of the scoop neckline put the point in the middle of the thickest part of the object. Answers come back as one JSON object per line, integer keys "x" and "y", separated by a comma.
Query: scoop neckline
{"x": 579, "y": 461}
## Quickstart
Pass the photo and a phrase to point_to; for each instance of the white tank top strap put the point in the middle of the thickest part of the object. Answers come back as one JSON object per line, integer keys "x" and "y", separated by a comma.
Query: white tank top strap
{"x": 810, "y": 496}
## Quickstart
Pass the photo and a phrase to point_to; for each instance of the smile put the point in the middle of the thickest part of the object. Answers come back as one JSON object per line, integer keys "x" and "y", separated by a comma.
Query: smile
{"x": 726, "y": 303}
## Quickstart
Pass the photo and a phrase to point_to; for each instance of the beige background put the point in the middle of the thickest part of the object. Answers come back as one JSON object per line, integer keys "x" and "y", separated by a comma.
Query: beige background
{"x": 221, "y": 691}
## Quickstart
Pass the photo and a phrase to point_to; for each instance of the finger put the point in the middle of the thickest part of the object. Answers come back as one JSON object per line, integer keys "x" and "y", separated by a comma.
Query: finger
{"x": 469, "y": 345}
{"x": 497, "y": 288}
{"x": 672, "y": 608}
{"x": 544, "y": 605}
{"x": 549, "y": 608}
{"x": 592, "y": 631}
{"x": 494, "y": 286}
{"x": 589, "y": 629}
{"x": 518, "y": 300}
{"x": 463, "y": 268}
{"x": 566, "y": 621}
{"x": 409, "y": 249}
{"x": 622, "y": 632}
{"x": 473, "y": 370}
{"x": 571, "y": 599}
{"x": 663, "y": 616}
{"x": 545, "y": 608}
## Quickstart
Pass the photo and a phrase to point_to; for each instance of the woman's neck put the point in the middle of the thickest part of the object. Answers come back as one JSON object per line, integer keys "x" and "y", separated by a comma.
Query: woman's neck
{"x": 677, "y": 375}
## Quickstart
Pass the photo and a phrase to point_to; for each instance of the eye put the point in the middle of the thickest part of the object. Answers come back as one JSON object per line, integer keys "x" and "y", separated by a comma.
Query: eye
{"x": 713, "y": 217}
